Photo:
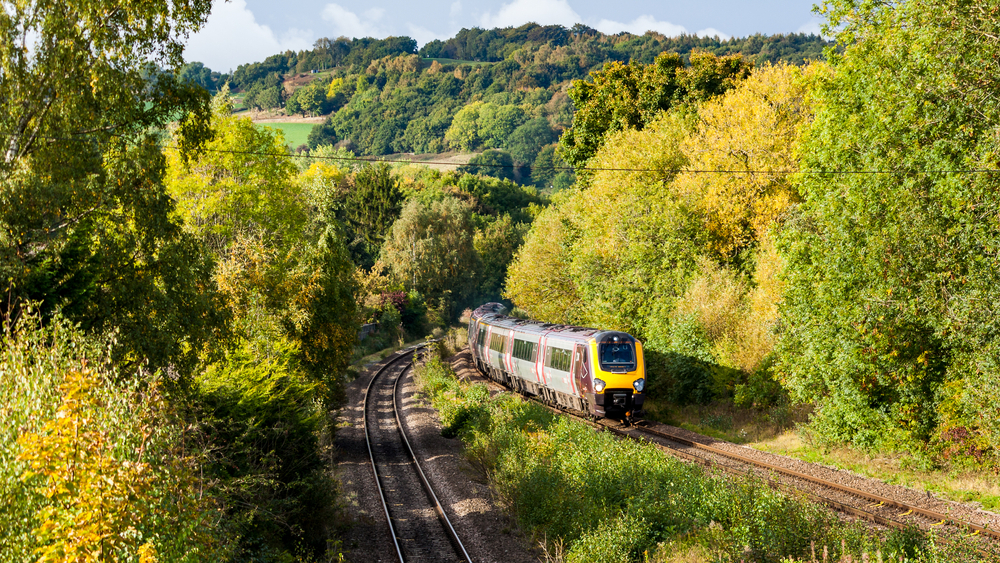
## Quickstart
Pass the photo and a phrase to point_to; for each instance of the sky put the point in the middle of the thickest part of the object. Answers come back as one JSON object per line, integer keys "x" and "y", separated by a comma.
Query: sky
{"x": 245, "y": 31}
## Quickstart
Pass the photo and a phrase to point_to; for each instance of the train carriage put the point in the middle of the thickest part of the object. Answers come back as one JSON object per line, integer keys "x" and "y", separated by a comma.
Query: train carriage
{"x": 599, "y": 372}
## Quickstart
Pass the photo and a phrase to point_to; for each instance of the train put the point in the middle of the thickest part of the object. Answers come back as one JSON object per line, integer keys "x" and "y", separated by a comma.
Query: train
{"x": 598, "y": 372}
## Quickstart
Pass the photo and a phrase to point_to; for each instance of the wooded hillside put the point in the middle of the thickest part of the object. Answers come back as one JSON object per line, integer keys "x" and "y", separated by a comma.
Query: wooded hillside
{"x": 471, "y": 92}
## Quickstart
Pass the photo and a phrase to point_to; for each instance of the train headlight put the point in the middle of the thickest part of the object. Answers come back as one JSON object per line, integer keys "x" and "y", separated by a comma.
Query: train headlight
{"x": 639, "y": 384}
{"x": 599, "y": 385}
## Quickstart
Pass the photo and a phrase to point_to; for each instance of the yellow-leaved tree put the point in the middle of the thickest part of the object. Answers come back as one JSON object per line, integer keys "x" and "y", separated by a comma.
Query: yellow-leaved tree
{"x": 743, "y": 157}
{"x": 671, "y": 238}
{"x": 94, "y": 466}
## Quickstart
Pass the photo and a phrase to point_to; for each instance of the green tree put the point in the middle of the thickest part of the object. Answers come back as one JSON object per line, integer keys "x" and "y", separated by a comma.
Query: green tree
{"x": 431, "y": 248}
{"x": 198, "y": 73}
{"x": 629, "y": 96}
{"x": 549, "y": 169}
{"x": 242, "y": 184}
{"x": 85, "y": 222}
{"x": 464, "y": 130}
{"x": 491, "y": 162}
{"x": 371, "y": 207}
{"x": 309, "y": 100}
{"x": 892, "y": 277}
{"x": 496, "y": 245}
{"x": 525, "y": 142}
{"x": 497, "y": 123}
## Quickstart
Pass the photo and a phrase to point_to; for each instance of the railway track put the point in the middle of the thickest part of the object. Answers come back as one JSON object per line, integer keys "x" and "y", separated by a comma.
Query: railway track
{"x": 874, "y": 503}
{"x": 419, "y": 527}
{"x": 875, "y": 508}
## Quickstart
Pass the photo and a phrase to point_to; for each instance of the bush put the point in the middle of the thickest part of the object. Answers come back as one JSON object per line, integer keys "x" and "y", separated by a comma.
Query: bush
{"x": 92, "y": 463}
{"x": 263, "y": 416}
{"x": 602, "y": 499}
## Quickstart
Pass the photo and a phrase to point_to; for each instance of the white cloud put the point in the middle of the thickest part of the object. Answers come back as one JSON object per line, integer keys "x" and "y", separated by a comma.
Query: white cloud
{"x": 712, "y": 32}
{"x": 456, "y": 8}
{"x": 349, "y": 24}
{"x": 639, "y": 26}
{"x": 542, "y": 12}
{"x": 424, "y": 35}
{"x": 374, "y": 14}
{"x": 232, "y": 37}
{"x": 810, "y": 27}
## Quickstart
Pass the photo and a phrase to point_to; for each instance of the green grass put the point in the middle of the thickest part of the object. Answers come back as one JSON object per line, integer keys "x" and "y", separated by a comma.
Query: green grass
{"x": 295, "y": 133}
{"x": 593, "y": 498}
{"x": 961, "y": 485}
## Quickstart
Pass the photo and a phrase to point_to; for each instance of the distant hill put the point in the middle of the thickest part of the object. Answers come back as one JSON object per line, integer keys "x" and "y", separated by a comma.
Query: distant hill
{"x": 484, "y": 88}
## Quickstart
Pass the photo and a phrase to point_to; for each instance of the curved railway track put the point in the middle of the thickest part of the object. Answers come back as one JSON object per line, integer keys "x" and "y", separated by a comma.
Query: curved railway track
{"x": 861, "y": 504}
{"x": 419, "y": 527}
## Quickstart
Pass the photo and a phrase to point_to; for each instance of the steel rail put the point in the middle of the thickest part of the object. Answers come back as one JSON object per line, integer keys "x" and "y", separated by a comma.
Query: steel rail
{"x": 371, "y": 455}
{"x": 452, "y": 534}
{"x": 880, "y": 500}
{"x": 774, "y": 484}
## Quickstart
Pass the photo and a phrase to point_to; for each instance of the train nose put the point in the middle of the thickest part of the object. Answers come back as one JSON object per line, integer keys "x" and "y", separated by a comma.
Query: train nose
{"x": 620, "y": 400}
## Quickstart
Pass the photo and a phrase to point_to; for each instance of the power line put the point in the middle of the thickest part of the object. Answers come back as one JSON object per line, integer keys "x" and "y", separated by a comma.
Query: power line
{"x": 602, "y": 169}
{"x": 371, "y": 160}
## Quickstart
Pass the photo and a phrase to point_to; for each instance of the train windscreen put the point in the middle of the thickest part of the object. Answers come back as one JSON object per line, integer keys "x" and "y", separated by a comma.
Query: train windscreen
{"x": 617, "y": 354}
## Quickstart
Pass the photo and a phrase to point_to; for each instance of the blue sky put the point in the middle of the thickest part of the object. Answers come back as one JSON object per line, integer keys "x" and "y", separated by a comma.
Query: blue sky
{"x": 244, "y": 31}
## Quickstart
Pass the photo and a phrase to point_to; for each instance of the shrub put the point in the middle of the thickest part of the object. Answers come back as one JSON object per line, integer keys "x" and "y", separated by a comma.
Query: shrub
{"x": 595, "y": 498}
{"x": 92, "y": 463}
{"x": 262, "y": 416}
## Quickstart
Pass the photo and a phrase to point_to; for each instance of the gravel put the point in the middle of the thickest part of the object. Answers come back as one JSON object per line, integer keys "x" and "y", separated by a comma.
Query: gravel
{"x": 489, "y": 535}
{"x": 921, "y": 499}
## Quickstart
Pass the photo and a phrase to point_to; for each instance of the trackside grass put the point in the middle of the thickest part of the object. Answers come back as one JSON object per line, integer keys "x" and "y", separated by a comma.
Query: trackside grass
{"x": 589, "y": 497}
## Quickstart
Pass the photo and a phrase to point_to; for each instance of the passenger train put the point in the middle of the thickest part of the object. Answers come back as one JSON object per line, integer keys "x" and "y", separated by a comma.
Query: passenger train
{"x": 599, "y": 372}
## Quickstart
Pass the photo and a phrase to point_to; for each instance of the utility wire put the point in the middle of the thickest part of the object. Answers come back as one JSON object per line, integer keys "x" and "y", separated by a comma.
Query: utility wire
{"x": 370, "y": 160}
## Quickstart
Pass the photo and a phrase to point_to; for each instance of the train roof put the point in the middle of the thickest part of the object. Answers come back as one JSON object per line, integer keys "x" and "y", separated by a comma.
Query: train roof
{"x": 493, "y": 314}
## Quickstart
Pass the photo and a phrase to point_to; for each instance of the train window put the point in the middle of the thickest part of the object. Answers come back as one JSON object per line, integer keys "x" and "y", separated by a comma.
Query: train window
{"x": 617, "y": 354}
{"x": 559, "y": 359}
{"x": 498, "y": 343}
{"x": 482, "y": 336}
{"x": 524, "y": 350}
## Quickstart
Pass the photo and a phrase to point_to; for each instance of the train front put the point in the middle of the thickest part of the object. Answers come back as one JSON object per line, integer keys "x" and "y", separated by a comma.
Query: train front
{"x": 620, "y": 375}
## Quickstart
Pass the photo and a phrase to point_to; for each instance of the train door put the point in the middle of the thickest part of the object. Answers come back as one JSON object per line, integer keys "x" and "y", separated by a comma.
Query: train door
{"x": 581, "y": 369}
{"x": 480, "y": 341}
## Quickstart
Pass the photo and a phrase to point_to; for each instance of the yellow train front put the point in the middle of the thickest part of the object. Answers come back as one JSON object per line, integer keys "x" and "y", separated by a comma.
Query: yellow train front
{"x": 599, "y": 372}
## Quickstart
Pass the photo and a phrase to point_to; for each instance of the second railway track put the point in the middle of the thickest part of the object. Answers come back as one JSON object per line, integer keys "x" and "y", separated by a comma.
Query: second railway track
{"x": 419, "y": 526}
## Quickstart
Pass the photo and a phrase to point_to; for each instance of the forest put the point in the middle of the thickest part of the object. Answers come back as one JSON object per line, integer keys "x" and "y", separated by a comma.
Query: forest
{"x": 497, "y": 89}
{"x": 783, "y": 221}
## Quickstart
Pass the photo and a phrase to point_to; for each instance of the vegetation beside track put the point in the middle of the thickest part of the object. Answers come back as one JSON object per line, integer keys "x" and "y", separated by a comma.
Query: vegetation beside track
{"x": 590, "y": 497}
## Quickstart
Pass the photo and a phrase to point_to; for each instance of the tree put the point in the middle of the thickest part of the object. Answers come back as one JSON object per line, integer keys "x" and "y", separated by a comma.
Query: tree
{"x": 85, "y": 222}
{"x": 496, "y": 245}
{"x": 629, "y": 96}
{"x": 370, "y": 210}
{"x": 321, "y": 133}
{"x": 311, "y": 99}
{"x": 497, "y": 123}
{"x": 198, "y": 73}
{"x": 892, "y": 286}
{"x": 525, "y": 142}
{"x": 464, "y": 131}
{"x": 549, "y": 168}
{"x": 491, "y": 162}
{"x": 243, "y": 183}
{"x": 431, "y": 249}
{"x": 753, "y": 129}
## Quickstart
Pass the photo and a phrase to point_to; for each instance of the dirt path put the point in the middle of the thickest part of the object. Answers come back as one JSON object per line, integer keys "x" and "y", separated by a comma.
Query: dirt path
{"x": 266, "y": 118}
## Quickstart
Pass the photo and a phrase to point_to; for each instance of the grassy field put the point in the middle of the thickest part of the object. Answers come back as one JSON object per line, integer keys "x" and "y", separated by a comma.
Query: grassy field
{"x": 295, "y": 133}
